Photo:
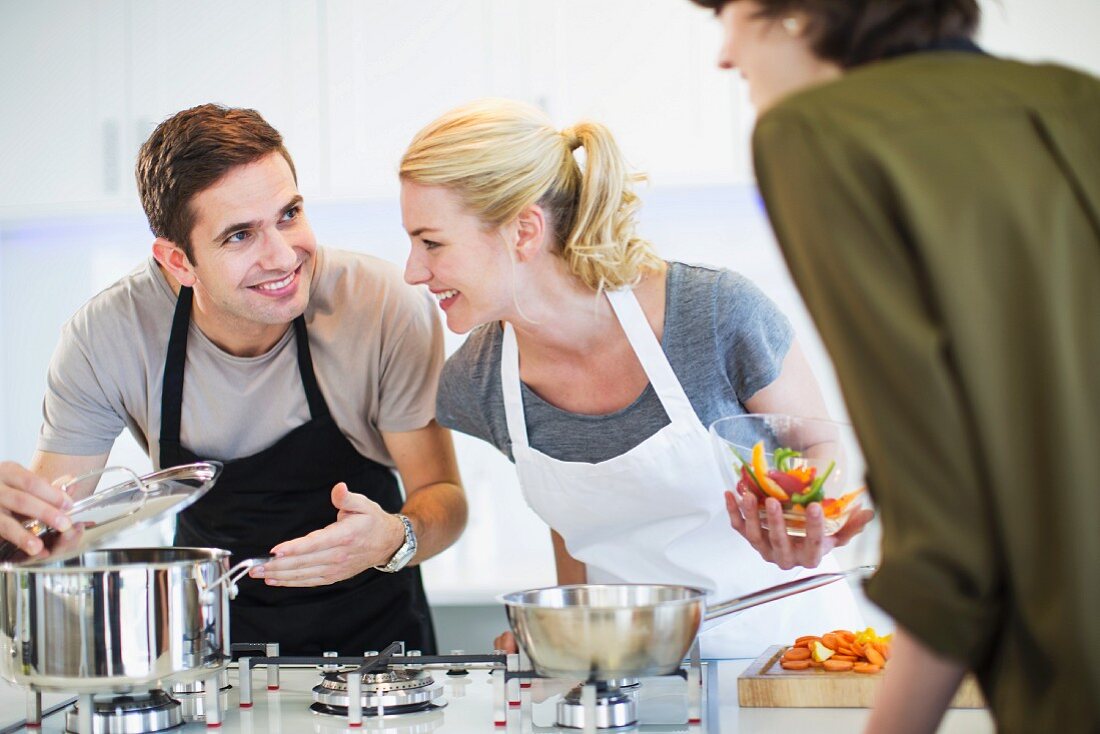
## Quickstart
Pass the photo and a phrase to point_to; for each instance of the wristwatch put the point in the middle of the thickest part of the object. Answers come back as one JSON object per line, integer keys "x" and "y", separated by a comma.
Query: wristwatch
{"x": 405, "y": 553}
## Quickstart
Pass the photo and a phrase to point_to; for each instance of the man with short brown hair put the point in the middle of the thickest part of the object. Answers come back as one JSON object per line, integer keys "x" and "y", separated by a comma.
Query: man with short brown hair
{"x": 311, "y": 373}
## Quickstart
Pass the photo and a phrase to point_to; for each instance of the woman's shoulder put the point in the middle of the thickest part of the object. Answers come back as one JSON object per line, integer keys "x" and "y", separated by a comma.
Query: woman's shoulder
{"x": 475, "y": 365}
{"x": 693, "y": 287}
{"x": 469, "y": 398}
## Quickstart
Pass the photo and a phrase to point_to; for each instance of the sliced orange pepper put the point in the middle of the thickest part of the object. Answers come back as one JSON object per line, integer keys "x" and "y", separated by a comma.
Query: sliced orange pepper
{"x": 760, "y": 468}
{"x": 804, "y": 474}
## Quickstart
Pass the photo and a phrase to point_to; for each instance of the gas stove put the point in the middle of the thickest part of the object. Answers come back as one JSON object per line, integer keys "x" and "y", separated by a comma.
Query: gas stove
{"x": 392, "y": 690}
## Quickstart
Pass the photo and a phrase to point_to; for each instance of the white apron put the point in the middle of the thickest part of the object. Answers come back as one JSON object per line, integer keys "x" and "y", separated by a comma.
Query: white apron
{"x": 656, "y": 514}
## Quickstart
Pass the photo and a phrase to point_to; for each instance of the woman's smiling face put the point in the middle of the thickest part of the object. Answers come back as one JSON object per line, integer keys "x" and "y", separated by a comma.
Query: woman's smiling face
{"x": 464, "y": 263}
{"x": 773, "y": 55}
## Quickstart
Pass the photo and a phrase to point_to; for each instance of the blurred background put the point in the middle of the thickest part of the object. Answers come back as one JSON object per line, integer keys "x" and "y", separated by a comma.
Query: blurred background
{"x": 348, "y": 82}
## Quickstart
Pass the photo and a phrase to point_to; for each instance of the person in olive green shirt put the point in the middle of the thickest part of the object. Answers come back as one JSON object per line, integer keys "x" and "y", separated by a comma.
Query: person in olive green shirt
{"x": 939, "y": 210}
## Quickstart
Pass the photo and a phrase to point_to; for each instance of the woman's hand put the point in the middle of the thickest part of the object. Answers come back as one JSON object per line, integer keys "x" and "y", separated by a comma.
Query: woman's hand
{"x": 363, "y": 536}
{"x": 506, "y": 642}
{"x": 773, "y": 544}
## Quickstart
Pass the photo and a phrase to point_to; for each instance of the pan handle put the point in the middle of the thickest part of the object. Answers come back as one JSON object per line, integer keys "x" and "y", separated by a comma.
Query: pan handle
{"x": 782, "y": 591}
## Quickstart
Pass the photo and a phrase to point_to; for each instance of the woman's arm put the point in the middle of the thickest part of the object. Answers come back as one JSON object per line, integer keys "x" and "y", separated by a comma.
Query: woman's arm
{"x": 794, "y": 392}
{"x": 570, "y": 570}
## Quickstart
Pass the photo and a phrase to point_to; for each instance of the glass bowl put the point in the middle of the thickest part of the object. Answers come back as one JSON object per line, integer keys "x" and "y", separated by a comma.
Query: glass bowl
{"x": 803, "y": 460}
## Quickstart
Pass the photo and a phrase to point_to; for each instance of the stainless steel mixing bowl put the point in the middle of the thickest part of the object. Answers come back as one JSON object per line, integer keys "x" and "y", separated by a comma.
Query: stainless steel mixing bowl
{"x": 607, "y": 631}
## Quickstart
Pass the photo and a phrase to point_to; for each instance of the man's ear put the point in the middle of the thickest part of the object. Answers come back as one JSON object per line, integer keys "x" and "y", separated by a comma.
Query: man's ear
{"x": 173, "y": 259}
{"x": 531, "y": 232}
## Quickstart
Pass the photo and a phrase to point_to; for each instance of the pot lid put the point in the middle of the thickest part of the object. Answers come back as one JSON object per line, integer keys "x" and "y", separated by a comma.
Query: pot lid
{"x": 132, "y": 505}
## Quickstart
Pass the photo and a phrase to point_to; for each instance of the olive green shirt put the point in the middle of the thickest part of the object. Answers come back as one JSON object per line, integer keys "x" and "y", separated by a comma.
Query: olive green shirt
{"x": 940, "y": 214}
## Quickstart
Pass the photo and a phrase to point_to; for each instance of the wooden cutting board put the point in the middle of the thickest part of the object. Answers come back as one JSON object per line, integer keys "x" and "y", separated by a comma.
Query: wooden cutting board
{"x": 765, "y": 684}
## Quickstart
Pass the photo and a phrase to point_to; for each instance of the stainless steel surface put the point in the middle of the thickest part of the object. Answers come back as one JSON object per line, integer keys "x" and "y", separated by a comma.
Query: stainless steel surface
{"x": 114, "y": 620}
{"x": 192, "y": 696}
{"x": 139, "y": 714}
{"x": 607, "y": 631}
{"x": 230, "y": 579}
{"x": 401, "y": 689}
{"x": 613, "y": 709}
{"x": 131, "y": 505}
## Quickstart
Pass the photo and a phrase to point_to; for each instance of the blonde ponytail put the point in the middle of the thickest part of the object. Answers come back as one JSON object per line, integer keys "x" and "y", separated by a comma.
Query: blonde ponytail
{"x": 601, "y": 247}
{"x": 502, "y": 156}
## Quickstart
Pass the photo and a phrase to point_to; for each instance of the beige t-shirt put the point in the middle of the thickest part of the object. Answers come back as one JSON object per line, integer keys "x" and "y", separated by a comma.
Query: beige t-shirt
{"x": 376, "y": 343}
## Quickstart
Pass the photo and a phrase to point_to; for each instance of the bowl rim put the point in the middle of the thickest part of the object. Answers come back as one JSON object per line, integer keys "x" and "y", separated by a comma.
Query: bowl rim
{"x": 512, "y": 598}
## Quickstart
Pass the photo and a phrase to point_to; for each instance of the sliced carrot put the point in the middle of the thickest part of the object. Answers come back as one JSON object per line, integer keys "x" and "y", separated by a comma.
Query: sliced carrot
{"x": 849, "y": 658}
{"x": 874, "y": 656}
{"x": 866, "y": 668}
{"x": 845, "y": 635}
{"x": 794, "y": 664}
{"x": 797, "y": 653}
{"x": 830, "y": 641}
{"x": 837, "y": 666}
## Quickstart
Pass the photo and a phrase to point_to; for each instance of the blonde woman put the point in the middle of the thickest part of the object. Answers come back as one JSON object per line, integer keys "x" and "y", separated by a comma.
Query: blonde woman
{"x": 596, "y": 366}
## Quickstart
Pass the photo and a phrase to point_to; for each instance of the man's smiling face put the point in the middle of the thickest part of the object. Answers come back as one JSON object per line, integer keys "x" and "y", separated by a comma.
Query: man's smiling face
{"x": 252, "y": 251}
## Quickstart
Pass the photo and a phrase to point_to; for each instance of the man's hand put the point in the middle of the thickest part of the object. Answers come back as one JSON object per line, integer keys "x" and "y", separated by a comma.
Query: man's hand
{"x": 773, "y": 544}
{"x": 363, "y": 536}
{"x": 23, "y": 496}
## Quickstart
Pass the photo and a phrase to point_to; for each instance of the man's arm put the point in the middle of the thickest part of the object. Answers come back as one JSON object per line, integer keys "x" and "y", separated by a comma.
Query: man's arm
{"x": 364, "y": 535}
{"x": 434, "y": 499}
{"x": 27, "y": 493}
{"x": 918, "y": 690}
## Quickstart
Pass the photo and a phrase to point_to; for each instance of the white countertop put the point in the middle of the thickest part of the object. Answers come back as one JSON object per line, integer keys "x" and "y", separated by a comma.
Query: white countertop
{"x": 469, "y": 709}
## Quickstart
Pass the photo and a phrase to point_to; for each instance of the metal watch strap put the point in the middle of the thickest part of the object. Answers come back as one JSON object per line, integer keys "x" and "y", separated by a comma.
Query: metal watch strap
{"x": 405, "y": 553}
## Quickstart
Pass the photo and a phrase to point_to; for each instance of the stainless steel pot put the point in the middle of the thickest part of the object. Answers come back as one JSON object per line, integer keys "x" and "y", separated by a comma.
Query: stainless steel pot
{"x": 117, "y": 620}
{"x": 608, "y": 631}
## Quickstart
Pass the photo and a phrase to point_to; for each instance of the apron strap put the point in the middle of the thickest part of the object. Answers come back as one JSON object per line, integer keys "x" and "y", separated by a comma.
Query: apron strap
{"x": 652, "y": 357}
{"x": 644, "y": 342}
{"x": 318, "y": 408}
{"x": 171, "y": 398}
{"x": 171, "y": 395}
{"x": 510, "y": 385}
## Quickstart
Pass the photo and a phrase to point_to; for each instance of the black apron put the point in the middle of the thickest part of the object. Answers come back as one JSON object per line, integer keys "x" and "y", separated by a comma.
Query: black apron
{"x": 283, "y": 492}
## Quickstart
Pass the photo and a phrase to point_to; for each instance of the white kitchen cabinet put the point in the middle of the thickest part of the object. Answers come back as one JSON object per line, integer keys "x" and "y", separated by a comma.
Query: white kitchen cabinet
{"x": 647, "y": 71}
{"x": 391, "y": 67}
{"x": 260, "y": 54}
{"x": 644, "y": 69}
{"x": 63, "y": 97}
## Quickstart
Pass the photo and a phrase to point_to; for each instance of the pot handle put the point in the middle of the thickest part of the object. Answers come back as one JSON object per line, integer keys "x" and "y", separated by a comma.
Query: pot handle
{"x": 781, "y": 591}
{"x": 229, "y": 578}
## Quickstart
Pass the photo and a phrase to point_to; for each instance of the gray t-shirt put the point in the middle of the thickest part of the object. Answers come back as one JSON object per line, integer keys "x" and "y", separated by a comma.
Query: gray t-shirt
{"x": 376, "y": 343}
{"x": 723, "y": 337}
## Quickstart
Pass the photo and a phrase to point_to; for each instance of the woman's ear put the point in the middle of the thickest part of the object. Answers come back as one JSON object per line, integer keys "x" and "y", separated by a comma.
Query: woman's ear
{"x": 531, "y": 232}
{"x": 173, "y": 259}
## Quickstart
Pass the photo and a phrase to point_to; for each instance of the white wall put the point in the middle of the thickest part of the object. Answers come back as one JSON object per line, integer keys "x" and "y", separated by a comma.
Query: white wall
{"x": 348, "y": 83}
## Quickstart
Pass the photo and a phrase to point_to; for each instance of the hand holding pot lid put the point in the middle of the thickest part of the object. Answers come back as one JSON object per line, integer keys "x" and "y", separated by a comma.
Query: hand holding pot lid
{"x": 26, "y": 496}
{"x": 131, "y": 505}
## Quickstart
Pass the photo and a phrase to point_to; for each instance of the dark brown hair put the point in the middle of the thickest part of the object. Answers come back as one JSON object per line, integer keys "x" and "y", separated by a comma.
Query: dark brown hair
{"x": 854, "y": 32}
{"x": 188, "y": 153}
